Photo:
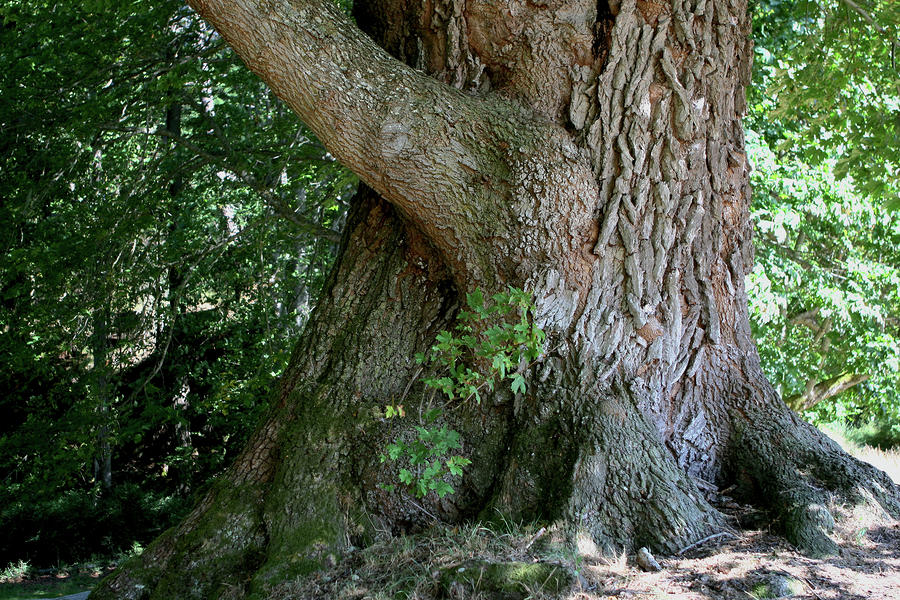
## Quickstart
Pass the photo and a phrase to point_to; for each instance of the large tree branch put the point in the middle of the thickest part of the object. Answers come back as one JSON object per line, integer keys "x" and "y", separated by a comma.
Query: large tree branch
{"x": 868, "y": 18}
{"x": 824, "y": 390}
{"x": 378, "y": 116}
{"x": 453, "y": 164}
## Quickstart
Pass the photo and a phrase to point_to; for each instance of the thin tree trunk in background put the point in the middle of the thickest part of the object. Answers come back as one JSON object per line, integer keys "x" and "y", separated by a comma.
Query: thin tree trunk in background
{"x": 180, "y": 399}
{"x": 100, "y": 349}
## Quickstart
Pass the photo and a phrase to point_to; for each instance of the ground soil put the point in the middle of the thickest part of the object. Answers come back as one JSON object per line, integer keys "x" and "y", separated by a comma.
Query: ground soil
{"x": 867, "y": 568}
{"x": 747, "y": 564}
{"x": 50, "y": 584}
{"x": 740, "y": 566}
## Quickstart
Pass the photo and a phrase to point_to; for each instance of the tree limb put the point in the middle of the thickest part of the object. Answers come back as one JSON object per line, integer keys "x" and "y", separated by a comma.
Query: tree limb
{"x": 825, "y": 390}
{"x": 449, "y": 162}
{"x": 870, "y": 20}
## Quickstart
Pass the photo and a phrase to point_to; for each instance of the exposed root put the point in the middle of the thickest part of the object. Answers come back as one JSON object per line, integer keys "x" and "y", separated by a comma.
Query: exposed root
{"x": 208, "y": 555}
{"x": 795, "y": 472}
{"x": 629, "y": 491}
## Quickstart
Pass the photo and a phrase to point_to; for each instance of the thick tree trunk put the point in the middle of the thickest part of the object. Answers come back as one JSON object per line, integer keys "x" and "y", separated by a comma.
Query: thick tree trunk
{"x": 595, "y": 159}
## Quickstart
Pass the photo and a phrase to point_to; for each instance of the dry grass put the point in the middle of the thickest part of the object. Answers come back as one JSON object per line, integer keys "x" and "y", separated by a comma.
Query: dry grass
{"x": 412, "y": 566}
{"x": 756, "y": 565}
{"x": 886, "y": 460}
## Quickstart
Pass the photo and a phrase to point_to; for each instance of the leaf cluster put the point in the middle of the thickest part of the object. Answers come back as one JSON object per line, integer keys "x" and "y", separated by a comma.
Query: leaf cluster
{"x": 824, "y": 299}
{"x": 827, "y": 87}
{"x": 427, "y": 455}
{"x": 495, "y": 339}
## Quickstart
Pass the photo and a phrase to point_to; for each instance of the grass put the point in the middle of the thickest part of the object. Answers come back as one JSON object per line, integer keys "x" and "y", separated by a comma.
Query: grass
{"x": 20, "y": 581}
{"x": 47, "y": 587}
{"x": 474, "y": 561}
{"x": 419, "y": 567}
{"x": 853, "y": 441}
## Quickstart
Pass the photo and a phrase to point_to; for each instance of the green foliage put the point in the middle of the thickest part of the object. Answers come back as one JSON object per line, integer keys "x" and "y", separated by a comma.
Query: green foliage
{"x": 494, "y": 340}
{"x": 427, "y": 455}
{"x": 824, "y": 293}
{"x": 827, "y": 83}
{"x": 77, "y": 524}
{"x": 823, "y": 127}
{"x": 876, "y": 434}
{"x": 15, "y": 570}
{"x": 167, "y": 226}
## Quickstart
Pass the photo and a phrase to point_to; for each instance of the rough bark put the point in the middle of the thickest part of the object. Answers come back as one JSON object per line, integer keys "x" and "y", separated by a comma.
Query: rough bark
{"x": 590, "y": 154}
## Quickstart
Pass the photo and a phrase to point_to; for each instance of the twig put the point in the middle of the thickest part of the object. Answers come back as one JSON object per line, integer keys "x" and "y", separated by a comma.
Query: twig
{"x": 811, "y": 588}
{"x": 423, "y": 509}
{"x": 412, "y": 380}
{"x": 706, "y": 539}
{"x": 534, "y": 538}
{"x": 869, "y": 19}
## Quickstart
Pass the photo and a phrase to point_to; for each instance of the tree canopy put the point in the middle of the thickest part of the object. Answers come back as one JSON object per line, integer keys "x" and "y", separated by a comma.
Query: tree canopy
{"x": 822, "y": 134}
{"x": 168, "y": 224}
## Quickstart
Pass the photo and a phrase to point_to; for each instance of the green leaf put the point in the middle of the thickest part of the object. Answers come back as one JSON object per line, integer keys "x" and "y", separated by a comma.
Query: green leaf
{"x": 442, "y": 488}
{"x": 518, "y": 384}
{"x": 475, "y": 300}
{"x": 394, "y": 450}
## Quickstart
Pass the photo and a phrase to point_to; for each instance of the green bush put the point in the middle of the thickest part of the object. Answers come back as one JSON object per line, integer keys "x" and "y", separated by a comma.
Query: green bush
{"x": 77, "y": 524}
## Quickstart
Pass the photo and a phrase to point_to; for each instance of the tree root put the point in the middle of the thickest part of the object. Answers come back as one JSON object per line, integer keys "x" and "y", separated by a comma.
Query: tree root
{"x": 208, "y": 555}
{"x": 622, "y": 488}
{"x": 796, "y": 472}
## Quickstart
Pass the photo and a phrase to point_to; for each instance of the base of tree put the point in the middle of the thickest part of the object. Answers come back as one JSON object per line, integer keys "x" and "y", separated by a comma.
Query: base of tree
{"x": 502, "y": 559}
{"x": 543, "y": 560}
{"x": 582, "y": 455}
{"x": 795, "y": 473}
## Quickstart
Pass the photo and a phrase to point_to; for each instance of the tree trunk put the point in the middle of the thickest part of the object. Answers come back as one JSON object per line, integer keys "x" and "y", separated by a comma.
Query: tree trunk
{"x": 590, "y": 154}
{"x": 101, "y": 373}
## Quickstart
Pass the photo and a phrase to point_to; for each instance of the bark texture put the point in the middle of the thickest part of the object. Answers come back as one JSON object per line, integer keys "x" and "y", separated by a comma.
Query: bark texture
{"x": 590, "y": 153}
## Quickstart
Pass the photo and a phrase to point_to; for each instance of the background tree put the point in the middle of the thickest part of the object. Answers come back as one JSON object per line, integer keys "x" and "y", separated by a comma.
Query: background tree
{"x": 148, "y": 289}
{"x": 199, "y": 321}
{"x": 824, "y": 121}
{"x": 831, "y": 81}
{"x": 825, "y": 313}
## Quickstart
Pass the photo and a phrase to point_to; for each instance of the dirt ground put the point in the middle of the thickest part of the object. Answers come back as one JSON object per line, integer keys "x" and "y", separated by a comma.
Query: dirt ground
{"x": 757, "y": 565}
{"x": 745, "y": 565}
{"x": 731, "y": 566}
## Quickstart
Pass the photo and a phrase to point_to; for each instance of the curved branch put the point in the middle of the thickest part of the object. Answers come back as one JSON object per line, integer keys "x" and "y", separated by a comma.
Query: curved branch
{"x": 370, "y": 110}
{"x": 824, "y": 390}
{"x": 448, "y": 161}
{"x": 868, "y": 18}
